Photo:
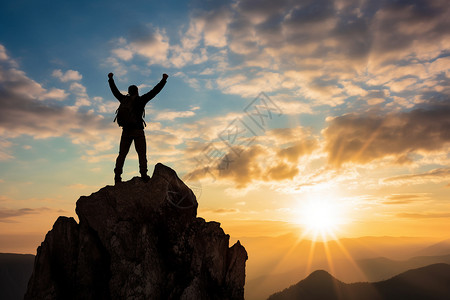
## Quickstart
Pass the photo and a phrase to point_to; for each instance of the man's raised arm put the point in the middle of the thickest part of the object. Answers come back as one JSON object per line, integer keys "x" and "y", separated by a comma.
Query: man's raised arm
{"x": 150, "y": 95}
{"x": 114, "y": 88}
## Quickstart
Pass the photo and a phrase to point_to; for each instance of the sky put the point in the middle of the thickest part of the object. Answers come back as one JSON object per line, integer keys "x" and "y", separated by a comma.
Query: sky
{"x": 324, "y": 116}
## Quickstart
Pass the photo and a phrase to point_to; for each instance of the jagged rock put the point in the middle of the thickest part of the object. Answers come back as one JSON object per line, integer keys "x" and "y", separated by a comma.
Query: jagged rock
{"x": 138, "y": 240}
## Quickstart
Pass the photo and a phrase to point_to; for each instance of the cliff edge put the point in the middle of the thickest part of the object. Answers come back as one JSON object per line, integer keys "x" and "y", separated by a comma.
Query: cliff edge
{"x": 138, "y": 240}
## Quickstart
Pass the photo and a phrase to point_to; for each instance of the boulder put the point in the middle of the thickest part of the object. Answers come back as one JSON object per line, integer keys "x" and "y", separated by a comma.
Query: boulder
{"x": 138, "y": 240}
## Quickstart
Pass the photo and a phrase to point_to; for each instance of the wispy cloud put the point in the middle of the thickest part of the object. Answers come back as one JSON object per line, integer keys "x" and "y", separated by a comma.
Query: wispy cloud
{"x": 146, "y": 41}
{"x": 56, "y": 94}
{"x": 221, "y": 211}
{"x": 69, "y": 75}
{"x": 7, "y": 214}
{"x": 397, "y": 199}
{"x": 424, "y": 215}
{"x": 172, "y": 115}
{"x": 435, "y": 175}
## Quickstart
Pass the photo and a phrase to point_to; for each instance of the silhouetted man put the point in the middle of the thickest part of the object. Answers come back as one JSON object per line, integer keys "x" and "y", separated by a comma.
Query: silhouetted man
{"x": 132, "y": 106}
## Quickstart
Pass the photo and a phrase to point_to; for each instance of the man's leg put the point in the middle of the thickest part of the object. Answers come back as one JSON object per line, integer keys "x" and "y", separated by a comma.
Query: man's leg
{"x": 141, "y": 148}
{"x": 125, "y": 143}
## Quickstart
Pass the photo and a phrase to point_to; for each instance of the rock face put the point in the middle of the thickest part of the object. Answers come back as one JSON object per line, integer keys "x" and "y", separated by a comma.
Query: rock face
{"x": 138, "y": 240}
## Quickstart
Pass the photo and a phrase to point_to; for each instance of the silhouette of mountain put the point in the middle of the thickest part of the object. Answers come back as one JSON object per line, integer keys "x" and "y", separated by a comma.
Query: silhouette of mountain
{"x": 138, "y": 240}
{"x": 430, "y": 282}
{"x": 279, "y": 265}
{"x": 382, "y": 268}
{"x": 15, "y": 271}
{"x": 373, "y": 269}
{"x": 441, "y": 248}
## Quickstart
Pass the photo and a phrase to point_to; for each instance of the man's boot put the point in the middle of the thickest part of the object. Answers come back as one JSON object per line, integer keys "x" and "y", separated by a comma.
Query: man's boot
{"x": 143, "y": 171}
{"x": 117, "y": 177}
{"x": 145, "y": 177}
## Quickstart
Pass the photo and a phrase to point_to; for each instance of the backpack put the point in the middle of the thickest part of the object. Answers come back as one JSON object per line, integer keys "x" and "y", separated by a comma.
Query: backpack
{"x": 126, "y": 114}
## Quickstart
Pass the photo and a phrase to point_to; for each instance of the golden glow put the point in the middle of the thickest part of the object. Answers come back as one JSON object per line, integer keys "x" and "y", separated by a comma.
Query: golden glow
{"x": 321, "y": 217}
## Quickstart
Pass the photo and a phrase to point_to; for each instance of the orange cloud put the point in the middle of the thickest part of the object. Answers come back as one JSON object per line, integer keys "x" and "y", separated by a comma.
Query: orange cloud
{"x": 7, "y": 214}
{"x": 423, "y": 215}
{"x": 361, "y": 138}
{"x": 405, "y": 198}
{"x": 275, "y": 158}
{"x": 435, "y": 175}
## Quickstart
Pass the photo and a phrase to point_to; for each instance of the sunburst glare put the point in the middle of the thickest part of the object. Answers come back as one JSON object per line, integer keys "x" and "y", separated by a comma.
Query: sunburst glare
{"x": 321, "y": 217}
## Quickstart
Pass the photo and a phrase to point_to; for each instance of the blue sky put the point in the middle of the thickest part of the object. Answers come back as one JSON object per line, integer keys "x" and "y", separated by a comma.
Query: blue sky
{"x": 358, "y": 91}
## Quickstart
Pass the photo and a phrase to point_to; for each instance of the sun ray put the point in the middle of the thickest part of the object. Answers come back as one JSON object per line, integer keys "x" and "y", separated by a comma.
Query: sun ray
{"x": 331, "y": 267}
{"x": 328, "y": 256}
{"x": 310, "y": 255}
{"x": 351, "y": 260}
{"x": 299, "y": 240}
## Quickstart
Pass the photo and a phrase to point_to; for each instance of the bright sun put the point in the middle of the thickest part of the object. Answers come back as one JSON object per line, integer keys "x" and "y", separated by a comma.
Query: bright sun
{"x": 321, "y": 217}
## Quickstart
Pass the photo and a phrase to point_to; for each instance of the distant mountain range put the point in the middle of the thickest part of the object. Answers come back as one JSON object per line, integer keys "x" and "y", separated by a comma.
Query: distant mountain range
{"x": 441, "y": 248}
{"x": 369, "y": 259}
{"x": 430, "y": 282}
{"x": 376, "y": 269}
{"x": 15, "y": 271}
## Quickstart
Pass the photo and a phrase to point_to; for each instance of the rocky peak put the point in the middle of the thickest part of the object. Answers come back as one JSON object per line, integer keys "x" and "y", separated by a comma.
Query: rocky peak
{"x": 138, "y": 240}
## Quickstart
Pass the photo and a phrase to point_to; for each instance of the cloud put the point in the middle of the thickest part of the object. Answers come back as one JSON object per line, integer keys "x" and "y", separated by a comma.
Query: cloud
{"x": 6, "y": 214}
{"x": 147, "y": 42}
{"x": 293, "y": 106}
{"x": 25, "y": 113}
{"x": 250, "y": 87}
{"x": 215, "y": 26}
{"x": 423, "y": 215}
{"x": 69, "y": 75}
{"x": 123, "y": 53}
{"x": 5, "y": 153}
{"x": 397, "y": 199}
{"x": 221, "y": 211}
{"x": 192, "y": 81}
{"x": 361, "y": 138}
{"x": 209, "y": 26}
{"x": 153, "y": 45}
{"x": 346, "y": 42}
{"x": 55, "y": 94}
{"x": 435, "y": 175}
{"x": 206, "y": 29}
{"x": 402, "y": 27}
{"x": 82, "y": 98}
{"x": 172, "y": 115}
{"x": 15, "y": 83}
{"x": 3, "y": 55}
{"x": 401, "y": 84}
{"x": 329, "y": 51}
{"x": 273, "y": 157}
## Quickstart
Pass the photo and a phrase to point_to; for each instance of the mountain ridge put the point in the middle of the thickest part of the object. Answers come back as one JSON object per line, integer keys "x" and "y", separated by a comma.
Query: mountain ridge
{"x": 15, "y": 271}
{"x": 429, "y": 282}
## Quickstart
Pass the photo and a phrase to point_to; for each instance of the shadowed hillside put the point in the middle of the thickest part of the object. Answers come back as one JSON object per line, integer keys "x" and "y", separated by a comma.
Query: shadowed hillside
{"x": 15, "y": 271}
{"x": 430, "y": 282}
{"x": 381, "y": 268}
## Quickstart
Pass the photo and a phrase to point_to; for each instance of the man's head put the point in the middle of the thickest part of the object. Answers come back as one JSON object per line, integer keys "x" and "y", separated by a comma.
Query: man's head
{"x": 133, "y": 90}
